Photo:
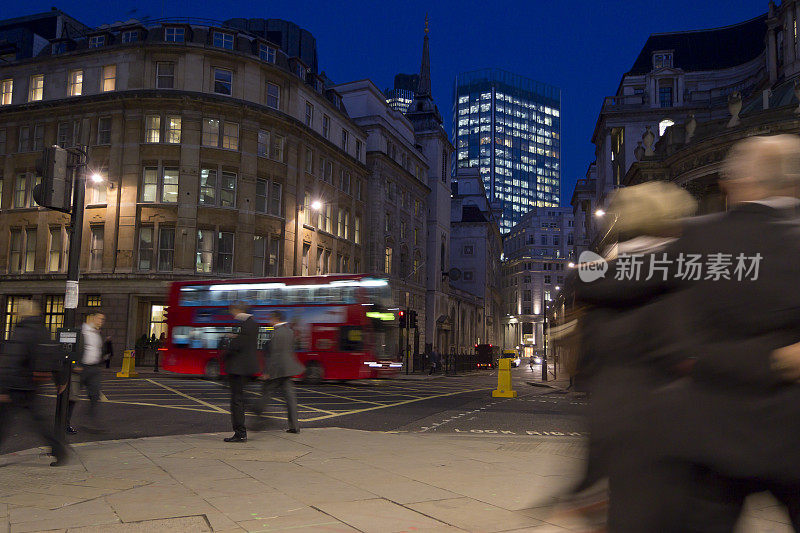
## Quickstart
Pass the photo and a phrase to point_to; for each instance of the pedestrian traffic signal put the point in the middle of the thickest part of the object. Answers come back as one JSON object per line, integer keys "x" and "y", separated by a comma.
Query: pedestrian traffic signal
{"x": 54, "y": 190}
{"x": 412, "y": 317}
{"x": 402, "y": 317}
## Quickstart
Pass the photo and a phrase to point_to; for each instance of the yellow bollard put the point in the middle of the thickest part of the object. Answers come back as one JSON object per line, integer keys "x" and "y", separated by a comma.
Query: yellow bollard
{"x": 504, "y": 389}
{"x": 128, "y": 365}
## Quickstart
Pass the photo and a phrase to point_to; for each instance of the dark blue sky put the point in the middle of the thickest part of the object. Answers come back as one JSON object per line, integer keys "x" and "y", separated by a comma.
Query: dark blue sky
{"x": 581, "y": 46}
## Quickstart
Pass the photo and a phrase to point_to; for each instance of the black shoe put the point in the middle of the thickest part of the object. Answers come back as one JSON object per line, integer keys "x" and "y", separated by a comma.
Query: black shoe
{"x": 236, "y": 438}
{"x": 61, "y": 459}
{"x": 71, "y": 430}
{"x": 292, "y": 431}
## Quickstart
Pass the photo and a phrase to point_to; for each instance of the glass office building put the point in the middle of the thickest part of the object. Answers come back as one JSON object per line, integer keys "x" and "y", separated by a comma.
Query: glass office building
{"x": 509, "y": 127}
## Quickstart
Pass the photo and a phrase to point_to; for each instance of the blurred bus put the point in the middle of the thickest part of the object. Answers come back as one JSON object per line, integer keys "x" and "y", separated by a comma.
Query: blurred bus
{"x": 341, "y": 323}
{"x": 486, "y": 355}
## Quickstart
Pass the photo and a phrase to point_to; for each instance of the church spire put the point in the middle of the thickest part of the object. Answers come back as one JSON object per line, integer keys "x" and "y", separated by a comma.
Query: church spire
{"x": 424, "y": 87}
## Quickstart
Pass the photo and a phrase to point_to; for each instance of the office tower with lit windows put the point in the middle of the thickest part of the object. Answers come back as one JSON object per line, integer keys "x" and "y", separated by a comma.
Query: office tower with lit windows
{"x": 509, "y": 127}
{"x": 401, "y": 96}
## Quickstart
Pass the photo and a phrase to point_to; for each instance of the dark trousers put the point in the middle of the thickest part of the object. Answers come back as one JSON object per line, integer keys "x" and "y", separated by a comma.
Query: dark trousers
{"x": 286, "y": 385}
{"x": 91, "y": 380}
{"x": 237, "y": 384}
{"x": 26, "y": 401}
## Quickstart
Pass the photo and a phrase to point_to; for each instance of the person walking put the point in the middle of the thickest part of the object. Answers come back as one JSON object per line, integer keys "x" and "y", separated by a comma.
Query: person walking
{"x": 241, "y": 363}
{"x": 87, "y": 373}
{"x": 108, "y": 351}
{"x": 434, "y": 361}
{"x": 281, "y": 366}
{"x": 19, "y": 377}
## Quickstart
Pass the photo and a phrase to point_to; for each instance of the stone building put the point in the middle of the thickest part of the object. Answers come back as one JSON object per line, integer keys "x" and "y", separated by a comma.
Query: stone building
{"x": 677, "y": 76}
{"x": 475, "y": 249}
{"x": 537, "y": 254}
{"x": 215, "y": 143}
{"x": 398, "y": 194}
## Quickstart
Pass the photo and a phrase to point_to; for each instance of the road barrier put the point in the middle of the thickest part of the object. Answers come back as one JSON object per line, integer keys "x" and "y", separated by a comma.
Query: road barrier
{"x": 504, "y": 388}
{"x": 128, "y": 365}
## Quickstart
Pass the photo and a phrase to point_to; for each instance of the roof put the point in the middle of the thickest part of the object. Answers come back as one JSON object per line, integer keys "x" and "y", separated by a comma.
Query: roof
{"x": 712, "y": 49}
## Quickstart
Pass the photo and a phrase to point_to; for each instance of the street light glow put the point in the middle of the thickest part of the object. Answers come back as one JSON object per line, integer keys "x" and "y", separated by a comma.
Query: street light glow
{"x": 570, "y": 265}
{"x": 599, "y": 213}
{"x": 316, "y": 205}
{"x": 97, "y": 178}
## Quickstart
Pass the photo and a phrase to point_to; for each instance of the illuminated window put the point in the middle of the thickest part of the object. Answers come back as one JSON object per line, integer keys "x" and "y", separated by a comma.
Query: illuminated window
{"x": 173, "y": 132}
{"x": 96, "y": 248}
{"x": 158, "y": 321}
{"x": 152, "y": 129}
{"x": 211, "y": 132}
{"x": 387, "y": 260}
{"x": 230, "y": 136}
{"x": 36, "y": 88}
{"x": 6, "y": 91}
{"x": 94, "y": 300}
{"x": 109, "y": 78}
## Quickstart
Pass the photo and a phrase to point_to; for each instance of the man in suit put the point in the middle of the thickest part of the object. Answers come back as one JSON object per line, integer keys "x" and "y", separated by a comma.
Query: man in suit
{"x": 736, "y": 421}
{"x": 282, "y": 365}
{"x": 241, "y": 363}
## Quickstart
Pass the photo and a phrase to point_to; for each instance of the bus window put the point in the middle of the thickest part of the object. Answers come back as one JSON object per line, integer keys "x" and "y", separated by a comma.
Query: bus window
{"x": 351, "y": 338}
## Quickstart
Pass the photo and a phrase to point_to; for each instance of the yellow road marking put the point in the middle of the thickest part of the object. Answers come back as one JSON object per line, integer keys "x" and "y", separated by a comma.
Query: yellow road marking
{"x": 179, "y": 393}
{"x": 301, "y": 405}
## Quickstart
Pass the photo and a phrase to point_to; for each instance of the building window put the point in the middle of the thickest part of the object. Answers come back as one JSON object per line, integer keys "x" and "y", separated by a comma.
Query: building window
{"x": 208, "y": 186}
{"x": 318, "y": 264}
{"x": 6, "y": 91}
{"x": 36, "y": 88}
{"x": 273, "y": 96}
{"x": 211, "y": 132}
{"x": 357, "y": 230}
{"x": 263, "y": 143}
{"x": 224, "y": 252}
{"x": 174, "y": 35}
{"x": 387, "y": 260}
{"x": 75, "y": 83}
{"x": 326, "y": 126}
{"x": 307, "y": 210}
{"x": 146, "y": 248}
{"x": 223, "y": 81}
{"x": 109, "y": 78}
{"x": 275, "y": 200}
{"x": 62, "y": 135}
{"x": 266, "y": 53}
{"x": 205, "y": 250}
{"x": 358, "y": 189}
{"x": 96, "y": 41}
{"x": 665, "y": 96}
{"x": 274, "y": 256}
{"x": 345, "y": 140}
{"x": 547, "y": 279}
{"x": 328, "y": 220}
{"x": 211, "y": 188}
{"x": 56, "y": 262}
{"x": 149, "y": 184}
{"x": 169, "y": 185}
{"x": 309, "y": 115}
{"x": 230, "y": 136}
{"x": 131, "y": 36}
{"x": 54, "y": 313}
{"x": 94, "y": 300}
{"x": 277, "y": 148}
{"x": 96, "y": 192}
{"x": 227, "y": 193}
{"x": 104, "y": 130}
{"x": 259, "y": 255}
{"x": 358, "y": 149}
{"x": 20, "y": 191}
{"x": 29, "y": 257}
{"x": 262, "y": 186}
{"x": 166, "y": 248}
{"x": 15, "y": 251}
{"x": 309, "y": 161}
{"x": 24, "y": 139}
{"x": 152, "y": 129}
{"x": 96, "y": 249}
{"x": 304, "y": 263}
{"x": 165, "y": 75}
{"x": 173, "y": 132}
{"x": 223, "y": 40}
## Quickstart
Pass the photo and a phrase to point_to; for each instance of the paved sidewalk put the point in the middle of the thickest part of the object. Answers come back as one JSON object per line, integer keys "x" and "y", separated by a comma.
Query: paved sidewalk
{"x": 319, "y": 480}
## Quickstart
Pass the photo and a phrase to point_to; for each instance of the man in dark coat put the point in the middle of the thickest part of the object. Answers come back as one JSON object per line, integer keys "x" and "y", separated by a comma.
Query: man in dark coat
{"x": 19, "y": 376}
{"x": 241, "y": 363}
{"x": 282, "y": 365}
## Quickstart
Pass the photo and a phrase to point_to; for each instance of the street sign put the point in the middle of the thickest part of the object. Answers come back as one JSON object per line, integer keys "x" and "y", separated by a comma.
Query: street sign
{"x": 71, "y": 295}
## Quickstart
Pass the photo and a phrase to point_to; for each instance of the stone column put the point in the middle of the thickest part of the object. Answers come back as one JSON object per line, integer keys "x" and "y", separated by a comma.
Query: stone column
{"x": 789, "y": 36}
{"x": 772, "y": 55}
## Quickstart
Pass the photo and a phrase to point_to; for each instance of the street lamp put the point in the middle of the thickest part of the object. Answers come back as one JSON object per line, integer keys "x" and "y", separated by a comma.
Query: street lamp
{"x": 316, "y": 205}
{"x": 97, "y": 177}
{"x": 570, "y": 265}
{"x": 599, "y": 213}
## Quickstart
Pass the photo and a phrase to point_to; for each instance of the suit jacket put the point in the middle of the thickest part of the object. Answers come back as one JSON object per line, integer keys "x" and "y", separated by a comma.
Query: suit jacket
{"x": 735, "y": 414}
{"x": 241, "y": 358}
{"x": 281, "y": 359}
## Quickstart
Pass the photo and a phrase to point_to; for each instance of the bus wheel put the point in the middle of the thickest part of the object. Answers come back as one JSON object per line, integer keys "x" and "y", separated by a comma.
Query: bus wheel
{"x": 314, "y": 372}
{"x": 212, "y": 369}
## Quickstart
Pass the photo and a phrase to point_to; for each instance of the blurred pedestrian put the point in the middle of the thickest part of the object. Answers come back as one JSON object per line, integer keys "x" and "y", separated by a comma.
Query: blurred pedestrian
{"x": 736, "y": 421}
{"x": 87, "y": 373}
{"x": 434, "y": 362}
{"x": 108, "y": 351}
{"x": 19, "y": 377}
{"x": 281, "y": 366}
{"x": 241, "y": 363}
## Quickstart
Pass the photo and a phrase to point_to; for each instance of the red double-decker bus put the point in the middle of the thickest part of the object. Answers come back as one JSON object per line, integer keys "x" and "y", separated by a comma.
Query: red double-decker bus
{"x": 341, "y": 323}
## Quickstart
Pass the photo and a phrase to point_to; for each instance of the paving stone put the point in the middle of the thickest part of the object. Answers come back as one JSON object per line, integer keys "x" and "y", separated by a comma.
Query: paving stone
{"x": 187, "y": 524}
{"x": 379, "y": 516}
{"x": 474, "y": 515}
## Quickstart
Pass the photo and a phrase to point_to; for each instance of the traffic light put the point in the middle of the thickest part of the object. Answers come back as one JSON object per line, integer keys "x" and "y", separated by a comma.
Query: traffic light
{"x": 54, "y": 190}
{"x": 412, "y": 317}
{"x": 401, "y": 315}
